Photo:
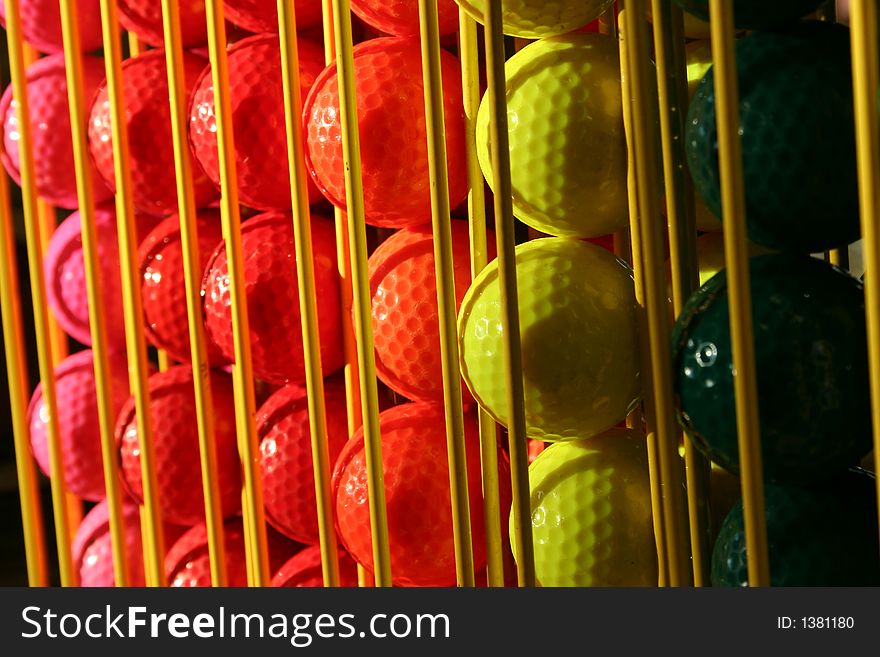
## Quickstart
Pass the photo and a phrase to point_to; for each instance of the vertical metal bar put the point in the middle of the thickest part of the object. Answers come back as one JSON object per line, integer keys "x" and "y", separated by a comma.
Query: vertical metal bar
{"x": 445, "y": 274}
{"x": 672, "y": 86}
{"x": 305, "y": 271}
{"x": 138, "y": 369}
{"x": 865, "y": 85}
{"x": 192, "y": 274}
{"x": 135, "y": 47}
{"x": 739, "y": 292}
{"x": 470, "y": 78}
{"x": 253, "y": 510}
{"x": 38, "y": 289}
{"x": 646, "y": 413}
{"x": 354, "y": 194}
{"x": 19, "y": 385}
{"x": 654, "y": 262}
{"x": 504, "y": 227}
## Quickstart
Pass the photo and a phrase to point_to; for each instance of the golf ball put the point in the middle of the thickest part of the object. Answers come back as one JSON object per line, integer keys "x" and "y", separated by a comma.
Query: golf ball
{"x": 591, "y": 512}
{"x": 534, "y": 19}
{"x": 406, "y": 327}
{"x": 756, "y": 14}
{"x": 304, "y": 570}
{"x": 163, "y": 288}
{"x": 401, "y": 17}
{"x": 801, "y": 193}
{"x": 270, "y": 279}
{"x": 148, "y": 120}
{"x": 54, "y": 171}
{"x": 811, "y": 369}
{"x": 41, "y": 24}
{"x": 416, "y": 476}
{"x": 260, "y": 16}
{"x": 78, "y": 427}
{"x": 580, "y": 344}
{"x": 567, "y": 143}
{"x": 257, "y": 95}
{"x": 176, "y": 445}
{"x": 144, "y": 18}
{"x": 391, "y": 119}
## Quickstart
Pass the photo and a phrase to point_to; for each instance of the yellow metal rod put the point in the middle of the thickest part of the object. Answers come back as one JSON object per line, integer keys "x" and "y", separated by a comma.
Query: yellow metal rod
{"x": 646, "y": 414}
{"x": 739, "y": 292}
{"x": 504, "y": 228}
{"x": 354, "y": 193}
{"x": 305, "y": 271}
{"x": 189, "y": 241}
{"x": 432, "y": 77}
{"x": 672, "y": 86}
{"x": 479, "y": 251}
{"x": 138, "y": 369}
{"x": 19, "y": 385}
{"x": 643, "y": 109}
{"x": 840, "y": 257}
{"x": 865, "y": 86}
{"x": 253, "y": 510}
{"x": 135, "y": 47}
{"x": 164, "y": 360}
{"x": 38, "y": 290}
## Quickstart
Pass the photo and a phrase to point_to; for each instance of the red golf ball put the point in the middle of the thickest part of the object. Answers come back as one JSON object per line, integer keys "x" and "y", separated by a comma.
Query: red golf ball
{"x": 54, "y": 173}
{"x": 148, "y": 119}
{"x": 286, "y": 456}
{"x": 391, "y": 118}
{"x": 406, "y": 327}
{"x": 176, "y": 445}
{"x": 64, "y": 271}
{"x": 187, "y": 563}
{"x": 273, "y": 299}
{"x": 417, "y": 495}
{"x": 304, "y": 570}
{"x": 144, "y": 18}
{"x": 79, "y": 431}
{"x": 260, "y": 16}
{"x": 41, "y": 24}
{"x": 93, "y": 548}
{"x": 163, "y": 286}
{"x": 257, "y": 96}
{"x": 401, "y": 17}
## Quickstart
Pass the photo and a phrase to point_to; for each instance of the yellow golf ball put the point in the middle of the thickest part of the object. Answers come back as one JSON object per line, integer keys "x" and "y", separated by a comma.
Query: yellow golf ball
{"x": 534, "y": 19}
{"x": 580, "y": 348}
{"x": 591, "y": 512}
{"x": 567, "y": 143}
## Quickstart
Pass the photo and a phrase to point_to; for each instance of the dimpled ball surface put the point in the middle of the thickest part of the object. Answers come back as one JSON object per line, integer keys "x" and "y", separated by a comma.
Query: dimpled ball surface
{"x": 811, "y": 368}
{"x": 406, "y": 327}
{"x": 817, "y": 536}
{"x": 401, "y": 17}
{"x": 41, "y": 24}
{"x": 535, "y": 19}
{"x": 756, "y": 14}
{"x": 591, "y": 512}
{"x": 188, "y": 562}
{"x": 260, "y": 16}
{"x": 144, "y": 18}
{"x": 54, "y": 173}
{"x": 286, "y": 455}
{"x": 801, "y": 191}
{"x": 391, "y": 118}
{"x": 163, "y": 287}
{"x": 417, "y": 495}
{"x": 304, "y": 570}
{"x": 580, "y": 348}
{"x": 567, "y": 143}
{"x": 176, "y": 445}
{"x": 257, "y": 97}
{"x": 79, "y": 431}
{"x": 273, "y": 300}
{"x": 148, "y": 118}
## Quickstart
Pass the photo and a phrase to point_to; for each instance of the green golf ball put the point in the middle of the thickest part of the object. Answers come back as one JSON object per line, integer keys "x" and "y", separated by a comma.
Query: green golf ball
{"x": 754, "y": 14}
{"x": 818, "y": 536}
{"x": 798, "y": 138}
{"x": 810, "y": 364}
{"x": 580, "y": 346}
